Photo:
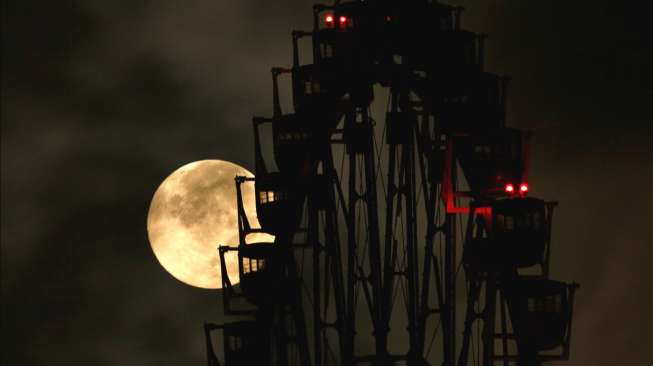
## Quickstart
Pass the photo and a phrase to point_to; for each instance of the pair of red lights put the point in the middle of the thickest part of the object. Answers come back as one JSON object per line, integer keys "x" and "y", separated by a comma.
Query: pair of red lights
{"x": 510, "y": 188}
{"x": 329, "y": 19}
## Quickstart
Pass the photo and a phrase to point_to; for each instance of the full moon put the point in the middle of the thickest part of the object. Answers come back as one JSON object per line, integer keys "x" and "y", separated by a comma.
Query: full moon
{"x": 192, "y": 213}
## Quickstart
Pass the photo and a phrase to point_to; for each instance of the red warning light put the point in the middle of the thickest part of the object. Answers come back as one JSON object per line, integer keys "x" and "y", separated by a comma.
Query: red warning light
{"x": 523, "y": 188}
{"x": 328, "y": 19}
{"x": 510, "y": 188}
{"x": 388, "y": 18}
{"x": 342, "y": 19}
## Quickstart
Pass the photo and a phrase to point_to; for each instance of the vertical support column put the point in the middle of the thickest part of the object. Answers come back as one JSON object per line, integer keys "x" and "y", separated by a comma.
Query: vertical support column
{"x": 334, "y": 254}
{"x": 433, "y": 192}
{"x": 470, "y": 318}
{"x": 318, "y": 324}
{"x": 352, "y": 266}
{"x": 431, "y": 230}
{"x": 280, "y": 335}
{"x": 296, "y": 305}
{"x": 449, "y": 310}
{"x": 402, "y": 189}
{"x": 411, "y": 248}
{"x": 473, "y": 288}
{"x": 504, "y": 329}
{"x": 390, "y": 249}
{"x": 489, "y": 316}
{"x": 360, "y": 142}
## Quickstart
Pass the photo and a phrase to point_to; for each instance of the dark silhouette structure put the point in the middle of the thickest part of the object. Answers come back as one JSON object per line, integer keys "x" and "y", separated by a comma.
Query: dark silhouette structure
{"x": 398, "y": 242}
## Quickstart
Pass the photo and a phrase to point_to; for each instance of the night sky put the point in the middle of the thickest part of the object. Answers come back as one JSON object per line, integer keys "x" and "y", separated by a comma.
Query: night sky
{"x": 101, "y": 100}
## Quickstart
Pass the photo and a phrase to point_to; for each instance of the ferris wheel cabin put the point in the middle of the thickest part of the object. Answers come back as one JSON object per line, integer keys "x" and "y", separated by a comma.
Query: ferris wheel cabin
{"x": 493, "y": 160}
{"x": 541, "y": 312}
{"x": 278, "y": 202}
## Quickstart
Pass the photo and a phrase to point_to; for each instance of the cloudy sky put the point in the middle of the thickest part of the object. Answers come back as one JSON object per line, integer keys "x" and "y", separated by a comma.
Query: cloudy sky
{"x": 101, "y": 100}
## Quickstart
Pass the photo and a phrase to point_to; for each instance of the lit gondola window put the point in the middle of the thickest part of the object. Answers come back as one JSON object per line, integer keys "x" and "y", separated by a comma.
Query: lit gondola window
{"x": 235, "y": 343}
{"x": 327, "y": 50}
{"x": 246, "y": 265}
{"x": 536, "y": 220}
{"x": 510, "y": 223}
{"x": 531, "y": 304}
{"x": 483, "y": 149}
{"x": 500, "y": 222}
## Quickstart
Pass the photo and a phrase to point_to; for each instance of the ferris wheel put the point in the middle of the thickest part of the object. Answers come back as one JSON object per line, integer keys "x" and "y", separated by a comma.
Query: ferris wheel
{"x": 406, "y": 237}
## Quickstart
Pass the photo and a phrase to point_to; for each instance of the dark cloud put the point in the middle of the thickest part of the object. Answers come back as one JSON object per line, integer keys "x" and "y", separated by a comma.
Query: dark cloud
{"x": 102, "y": 100}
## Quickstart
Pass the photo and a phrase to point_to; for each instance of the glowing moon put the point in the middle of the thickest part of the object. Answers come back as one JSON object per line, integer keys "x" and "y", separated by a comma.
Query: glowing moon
{"x": 193, "y": 212}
